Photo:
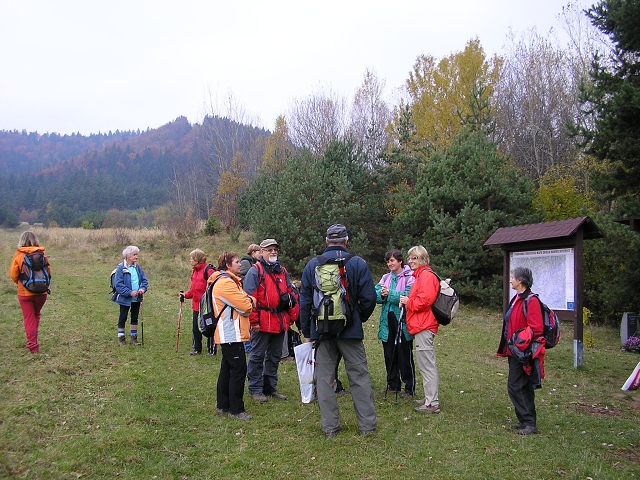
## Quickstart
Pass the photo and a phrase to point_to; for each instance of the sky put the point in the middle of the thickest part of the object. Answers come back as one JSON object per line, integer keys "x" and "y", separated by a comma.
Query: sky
{"x": 83, "y": 66}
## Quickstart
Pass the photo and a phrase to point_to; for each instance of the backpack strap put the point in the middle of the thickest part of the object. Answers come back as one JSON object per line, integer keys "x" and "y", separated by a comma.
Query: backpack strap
{"x": 222, "y": 274}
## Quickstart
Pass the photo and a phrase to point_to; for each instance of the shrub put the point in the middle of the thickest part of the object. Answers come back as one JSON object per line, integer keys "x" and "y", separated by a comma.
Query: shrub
{"x": 213, "y": 226}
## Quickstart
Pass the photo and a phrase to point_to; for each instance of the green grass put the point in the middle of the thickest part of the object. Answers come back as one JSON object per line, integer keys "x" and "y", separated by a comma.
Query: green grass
{"x": 86, "y": 408}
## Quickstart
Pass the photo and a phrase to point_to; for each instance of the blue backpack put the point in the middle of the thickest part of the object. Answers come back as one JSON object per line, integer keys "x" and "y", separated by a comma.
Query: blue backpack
{"x": 35, "y": 274}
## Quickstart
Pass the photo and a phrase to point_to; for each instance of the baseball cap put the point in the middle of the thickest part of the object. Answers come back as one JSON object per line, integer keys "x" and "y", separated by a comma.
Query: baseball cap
{"x": 337, "y": 230}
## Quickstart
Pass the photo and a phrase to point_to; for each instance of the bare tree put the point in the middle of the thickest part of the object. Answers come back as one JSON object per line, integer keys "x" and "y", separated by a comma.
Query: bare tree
{"x": 536, "y": 99}
{"x": 370, "y": 117}
{"x": 317, "y": 121}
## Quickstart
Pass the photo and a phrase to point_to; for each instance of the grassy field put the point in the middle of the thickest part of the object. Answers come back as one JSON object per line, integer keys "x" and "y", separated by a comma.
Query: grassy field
{"x": 86, "y": 408}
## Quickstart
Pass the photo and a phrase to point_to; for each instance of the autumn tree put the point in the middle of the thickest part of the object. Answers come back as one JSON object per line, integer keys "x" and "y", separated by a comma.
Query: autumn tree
{"x": 231, "y": 186}
{"x": 278, "y": 146}
{"x": 440, "y": 92}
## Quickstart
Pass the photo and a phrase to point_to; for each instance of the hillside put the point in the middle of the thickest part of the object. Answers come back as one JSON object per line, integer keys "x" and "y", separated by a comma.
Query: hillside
{"x": 60, "y": 178}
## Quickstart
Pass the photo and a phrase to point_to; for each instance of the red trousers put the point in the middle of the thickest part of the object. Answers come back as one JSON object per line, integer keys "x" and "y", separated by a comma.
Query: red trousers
{"x": 31, "y": 306}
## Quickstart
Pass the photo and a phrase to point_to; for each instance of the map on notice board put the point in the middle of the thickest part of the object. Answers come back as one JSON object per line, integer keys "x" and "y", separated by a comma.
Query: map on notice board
{"x": 553, "y": 275}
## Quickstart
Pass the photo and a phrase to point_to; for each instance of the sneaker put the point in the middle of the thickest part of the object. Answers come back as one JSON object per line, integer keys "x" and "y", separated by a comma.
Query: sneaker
{"x": 122, "y": 341}
{"x": 278, "y": 395}
{"x": 428, "y": 409}
{"x": 134, "y": 340}
{"x": 333, "y": 433}
{"x": 259, "y": 397}
{"x": 193, "y": 353}
{"x": 242, "y": 416}
{"x": 518, "y": 426}
{"x": 222, "y": 411}
{"x": 528, "y": 430}
{"x": 211, "y": 354}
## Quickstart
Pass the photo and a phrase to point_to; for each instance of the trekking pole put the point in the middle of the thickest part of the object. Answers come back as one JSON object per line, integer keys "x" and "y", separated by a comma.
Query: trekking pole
{"x": 396, "y": 341}
{"x": 179, "y": 318}
{"x": 141, "y": 326}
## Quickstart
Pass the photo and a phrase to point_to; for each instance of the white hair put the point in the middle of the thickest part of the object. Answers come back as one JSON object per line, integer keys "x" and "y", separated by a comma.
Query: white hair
{"x": 129, "y": 250}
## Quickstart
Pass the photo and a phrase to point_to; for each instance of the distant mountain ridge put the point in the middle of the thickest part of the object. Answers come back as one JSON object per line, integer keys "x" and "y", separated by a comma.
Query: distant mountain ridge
{"x": 77, "y": 174}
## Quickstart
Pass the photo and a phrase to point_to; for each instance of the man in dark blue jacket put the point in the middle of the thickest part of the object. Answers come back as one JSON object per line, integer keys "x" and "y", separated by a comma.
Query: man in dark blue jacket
{"x": 347, "y": 343}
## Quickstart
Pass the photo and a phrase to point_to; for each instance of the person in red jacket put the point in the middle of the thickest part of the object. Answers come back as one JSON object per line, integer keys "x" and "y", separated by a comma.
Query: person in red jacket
{"x": 523, "y": 378}
{"x": 276, "y": 310}
{"x": 422, "y": 324}
{"x": 31, "y": 303}
{"x": 198, "y": 261}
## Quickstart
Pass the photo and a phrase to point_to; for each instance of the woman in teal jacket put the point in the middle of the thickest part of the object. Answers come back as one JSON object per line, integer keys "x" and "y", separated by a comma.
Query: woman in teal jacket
{"x": 398, "y": 349}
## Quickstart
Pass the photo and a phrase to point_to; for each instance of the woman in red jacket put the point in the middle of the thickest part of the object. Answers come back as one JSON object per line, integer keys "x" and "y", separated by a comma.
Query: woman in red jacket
{"x": 198, "y": 261}
{"x": 523, "y": 378}
{"x": 422, "y": 324}
{"x": 31, "y": 303}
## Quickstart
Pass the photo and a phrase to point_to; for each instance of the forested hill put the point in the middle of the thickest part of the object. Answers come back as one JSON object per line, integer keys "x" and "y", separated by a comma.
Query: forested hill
{"x": 52, "y": 177}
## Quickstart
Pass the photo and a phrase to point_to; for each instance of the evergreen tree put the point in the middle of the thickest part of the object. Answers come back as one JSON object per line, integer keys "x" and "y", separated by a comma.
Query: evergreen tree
{"x": 462, "y": 195}
{"x": 612, "y": 98}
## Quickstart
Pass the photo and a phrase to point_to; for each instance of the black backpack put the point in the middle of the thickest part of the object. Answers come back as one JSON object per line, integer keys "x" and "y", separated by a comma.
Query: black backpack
{"x": 207, "y": 323}
{"x": 551, "y": 331}
{"x": 208, "y": 271}
{"x": 35, "y": 274}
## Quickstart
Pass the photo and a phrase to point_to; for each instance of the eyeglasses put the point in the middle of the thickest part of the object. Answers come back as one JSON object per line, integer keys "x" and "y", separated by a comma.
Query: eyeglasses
{"x": 271, "y": 250}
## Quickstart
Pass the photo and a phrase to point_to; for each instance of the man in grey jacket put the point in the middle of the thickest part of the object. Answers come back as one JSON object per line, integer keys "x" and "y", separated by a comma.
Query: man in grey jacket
{"x": 347, "y": 343}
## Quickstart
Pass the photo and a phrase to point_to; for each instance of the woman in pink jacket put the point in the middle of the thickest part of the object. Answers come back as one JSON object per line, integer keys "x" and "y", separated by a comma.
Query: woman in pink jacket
{"x": 31, "y": 303}
{"x": 422, "y": 324}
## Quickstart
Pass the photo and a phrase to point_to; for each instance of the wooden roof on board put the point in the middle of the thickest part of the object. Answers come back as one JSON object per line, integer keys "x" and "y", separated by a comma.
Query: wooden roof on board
{"x": 545, "y": 231}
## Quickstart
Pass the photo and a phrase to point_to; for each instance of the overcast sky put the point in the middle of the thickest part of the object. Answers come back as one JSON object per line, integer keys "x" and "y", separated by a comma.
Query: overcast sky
{"x": 93, "y": 66}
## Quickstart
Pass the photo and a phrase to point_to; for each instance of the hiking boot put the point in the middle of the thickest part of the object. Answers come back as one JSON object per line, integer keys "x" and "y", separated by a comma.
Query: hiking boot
{"x": 278, "y": 395}
{"x": 334, "y": 432}
{"x": 259, "y": 397}
{"x": 242, "y": 416}
{"x": 342, "y": 391}
{"x": 193, "y": 353}
{"x": 211, "y": 354}
{"x": 407, "y": 395}
{"x": 428, "y": 409}
{"x": 419, "y": 401}
{"x": 528, "y": 430}
{"x": 134, "y": 340}
{"x": 364, "y": 433}
{"x": 518, "y": 426}
{"x": 122, "y": 341}
{"x": 221, "y": 412}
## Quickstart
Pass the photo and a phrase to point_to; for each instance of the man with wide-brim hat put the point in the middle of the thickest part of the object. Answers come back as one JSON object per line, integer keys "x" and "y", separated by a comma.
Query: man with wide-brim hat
{"x": 276, "y": 310}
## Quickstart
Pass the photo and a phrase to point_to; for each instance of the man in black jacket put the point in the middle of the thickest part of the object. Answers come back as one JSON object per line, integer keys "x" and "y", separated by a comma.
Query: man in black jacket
{"x": 348, "y": 343}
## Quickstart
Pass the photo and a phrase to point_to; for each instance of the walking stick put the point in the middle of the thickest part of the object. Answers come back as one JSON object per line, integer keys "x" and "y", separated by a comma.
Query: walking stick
{"x": 396, "y": 341}
{"x": 179, "y": 319}
{"x": 141, "y": 326}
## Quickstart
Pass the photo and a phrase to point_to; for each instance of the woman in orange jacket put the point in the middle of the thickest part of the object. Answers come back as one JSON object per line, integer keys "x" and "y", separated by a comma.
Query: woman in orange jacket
{"x": 30, "y": 302}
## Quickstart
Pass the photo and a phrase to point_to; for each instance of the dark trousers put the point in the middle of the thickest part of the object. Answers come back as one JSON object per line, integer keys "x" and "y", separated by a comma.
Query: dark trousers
{"x": 233, "y": 371}
{"x": 124, "y": 313}
{"x": 196, "y": 337}
{"x": 264, "y": 359}
{"x": 399, "y": 363}
{"x": 521, "y": 392}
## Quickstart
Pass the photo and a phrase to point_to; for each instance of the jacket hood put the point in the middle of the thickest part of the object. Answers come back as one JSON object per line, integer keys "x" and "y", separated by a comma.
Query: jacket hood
{"x": 32, "y": 249}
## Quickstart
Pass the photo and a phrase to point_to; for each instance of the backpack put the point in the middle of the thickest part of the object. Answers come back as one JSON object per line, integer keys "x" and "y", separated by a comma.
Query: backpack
{"x": 206, "y": 321}
{"x": 35, "y": 275}
{"x": 112, "y": 280}
{"x": 447, "y": 302}
{"x": 331, "y": 303}
{"x": 551, "y": 331}
{"x": 208, "y": 271}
